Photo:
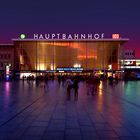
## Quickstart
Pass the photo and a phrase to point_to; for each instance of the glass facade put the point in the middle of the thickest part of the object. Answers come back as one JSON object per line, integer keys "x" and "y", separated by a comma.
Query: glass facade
{"x": 49, "y": 55}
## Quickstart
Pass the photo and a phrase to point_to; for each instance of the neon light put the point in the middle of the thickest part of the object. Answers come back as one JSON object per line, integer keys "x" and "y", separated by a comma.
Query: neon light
{"x": 115, "y": 36}
{"x": 131, "y": 67}
{"x": 7, "y": 72}
{"x": 70, "y": 69}
{"x": 84, "y": 56}
{"x": 22, "y": 36}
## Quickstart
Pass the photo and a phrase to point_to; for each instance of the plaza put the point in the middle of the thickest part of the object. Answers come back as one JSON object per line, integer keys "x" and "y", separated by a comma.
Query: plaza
{"x": 30, "y": 112}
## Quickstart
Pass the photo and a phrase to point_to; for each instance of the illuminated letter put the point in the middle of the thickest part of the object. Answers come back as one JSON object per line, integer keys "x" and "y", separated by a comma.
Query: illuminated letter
{"x": 96, "y": 36}
{"x": 75, "y": 36}
{"x": 35, "y": 36}
{"x": 47, "y": 36}
{"x": 58, "y": 36}
{"x": 83, "y": 36}
{"x": 89, "y": 36}
{"x": 69, "y": 36}
{"x": 41, "y": 36}
{"x": 53, "y": 35}
{"x": 102, "y": 35}
{"x": 63, "y": 36}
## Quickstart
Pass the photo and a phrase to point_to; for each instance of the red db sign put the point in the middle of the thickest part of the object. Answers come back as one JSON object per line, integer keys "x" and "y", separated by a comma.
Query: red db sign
{"x": 115, "y": 36}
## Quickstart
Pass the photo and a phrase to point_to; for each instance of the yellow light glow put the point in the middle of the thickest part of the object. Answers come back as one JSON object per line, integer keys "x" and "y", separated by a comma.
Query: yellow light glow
{"x": 21, "y": 59}
{"x": 41, "y": 66}
{"x": 98, "y": 73}
{"x": 109, "y": 74}
{"x": 77, "y": 65}
{"x": 101, "y": 88}
{"x": 53, "y": 67}
{"x": 109, "y": 67}
{"x": 84, "y": 56}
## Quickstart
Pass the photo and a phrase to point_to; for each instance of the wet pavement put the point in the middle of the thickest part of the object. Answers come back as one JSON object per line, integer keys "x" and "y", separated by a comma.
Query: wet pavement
{"x": 30, "y": 112}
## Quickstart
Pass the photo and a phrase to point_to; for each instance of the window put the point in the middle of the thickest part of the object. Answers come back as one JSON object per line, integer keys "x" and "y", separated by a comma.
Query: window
{"x": 5, "y": 56}
{"x": 1, "y": 56}
{"x": 1, "y": 64}
{"x": 8, "y": 56}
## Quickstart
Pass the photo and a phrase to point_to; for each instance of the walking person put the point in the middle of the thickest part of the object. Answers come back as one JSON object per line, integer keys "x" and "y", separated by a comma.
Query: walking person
{"x": 69, "y": 85}
{"x": 46, "y": 81}
{"x": 59, "y": 79}
{"x": 76, "y": 87}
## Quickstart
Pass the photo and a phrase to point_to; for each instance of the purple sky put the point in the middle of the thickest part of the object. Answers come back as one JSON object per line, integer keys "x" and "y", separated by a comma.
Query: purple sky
{"x": 71, "y": 16}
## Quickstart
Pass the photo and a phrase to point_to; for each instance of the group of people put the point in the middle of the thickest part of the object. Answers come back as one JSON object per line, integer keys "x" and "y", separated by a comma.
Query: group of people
{"x": 93, "y": 83}
{"x": 71, "y": 83}
{"x": 39, "y": 80}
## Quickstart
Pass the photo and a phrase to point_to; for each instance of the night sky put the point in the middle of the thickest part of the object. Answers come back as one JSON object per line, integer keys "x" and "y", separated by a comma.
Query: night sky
{"x": 71, "y": 16}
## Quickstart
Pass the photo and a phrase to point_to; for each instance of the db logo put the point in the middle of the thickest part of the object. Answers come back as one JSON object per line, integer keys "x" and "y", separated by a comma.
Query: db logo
{"x": 115, "y": 36}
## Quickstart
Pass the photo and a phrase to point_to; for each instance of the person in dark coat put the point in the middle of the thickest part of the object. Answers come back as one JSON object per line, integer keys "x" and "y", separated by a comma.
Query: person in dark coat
{"x": 76, "y": 87}
{"x": 69, "y": 85}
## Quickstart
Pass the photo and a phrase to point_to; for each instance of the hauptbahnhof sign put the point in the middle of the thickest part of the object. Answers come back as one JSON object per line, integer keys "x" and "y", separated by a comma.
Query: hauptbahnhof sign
{"x": 64, "y": 36}
{"x": 69, "y": 36}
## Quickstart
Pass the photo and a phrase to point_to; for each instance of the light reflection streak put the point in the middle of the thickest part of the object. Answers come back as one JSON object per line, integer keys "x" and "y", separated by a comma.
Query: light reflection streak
{"x": 100, "y": 97}
{"x": 101, "y": 88}
{"x": 7, "y": 93}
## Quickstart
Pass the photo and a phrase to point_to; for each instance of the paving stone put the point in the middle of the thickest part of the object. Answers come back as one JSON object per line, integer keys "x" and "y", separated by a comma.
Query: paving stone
{"x": 129, "y": 138}
{"x": 60, "y": 127}
{"x": 35, "y": 131}
{"x": 90, "y": 136}
{"x": 107, "y": 134}
{"x": 73, "y": 137}
{"x": 85, "y": 129}
{"x": 40, "y": 123}
{"x": 102, "y": 126}
{"x": 72, "y": 132}
{"x": 52, "y": 135}
{"x": 30, "y": 138}
{"x": 72, "y": 124}
{"x": 123, "y": 132}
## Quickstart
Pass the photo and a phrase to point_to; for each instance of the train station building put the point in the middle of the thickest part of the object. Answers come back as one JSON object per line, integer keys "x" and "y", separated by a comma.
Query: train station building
{"x": 66, "y": 55}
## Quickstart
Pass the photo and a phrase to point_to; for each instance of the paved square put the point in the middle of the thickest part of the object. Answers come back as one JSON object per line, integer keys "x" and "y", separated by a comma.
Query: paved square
{"x": 30, "y": 112}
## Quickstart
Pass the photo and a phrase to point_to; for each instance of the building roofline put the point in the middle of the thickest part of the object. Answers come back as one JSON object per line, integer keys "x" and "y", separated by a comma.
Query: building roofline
{"x": 130, "y": 59}
{"x": 75, "y": 40}
{"x": 6, "y": 44}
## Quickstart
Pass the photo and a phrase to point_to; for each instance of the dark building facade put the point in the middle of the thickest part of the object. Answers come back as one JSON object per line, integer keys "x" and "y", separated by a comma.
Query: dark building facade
{"x": 6, "y": 58}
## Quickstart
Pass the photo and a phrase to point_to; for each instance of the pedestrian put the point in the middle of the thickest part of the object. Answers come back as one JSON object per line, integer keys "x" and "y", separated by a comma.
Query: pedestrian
{"x": 76, "y": 87}
{"x": 46, "y": 81}
{"x": 59, "y": 79}
{"x": 69, "y": 85}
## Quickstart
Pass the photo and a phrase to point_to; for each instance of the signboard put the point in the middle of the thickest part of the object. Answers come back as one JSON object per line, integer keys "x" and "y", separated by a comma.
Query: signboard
{"x": 70, "y": 69}
{"x": 69, "y": 36}
{"x": 64, "y": 36}
{"x": 115, "y": 36}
